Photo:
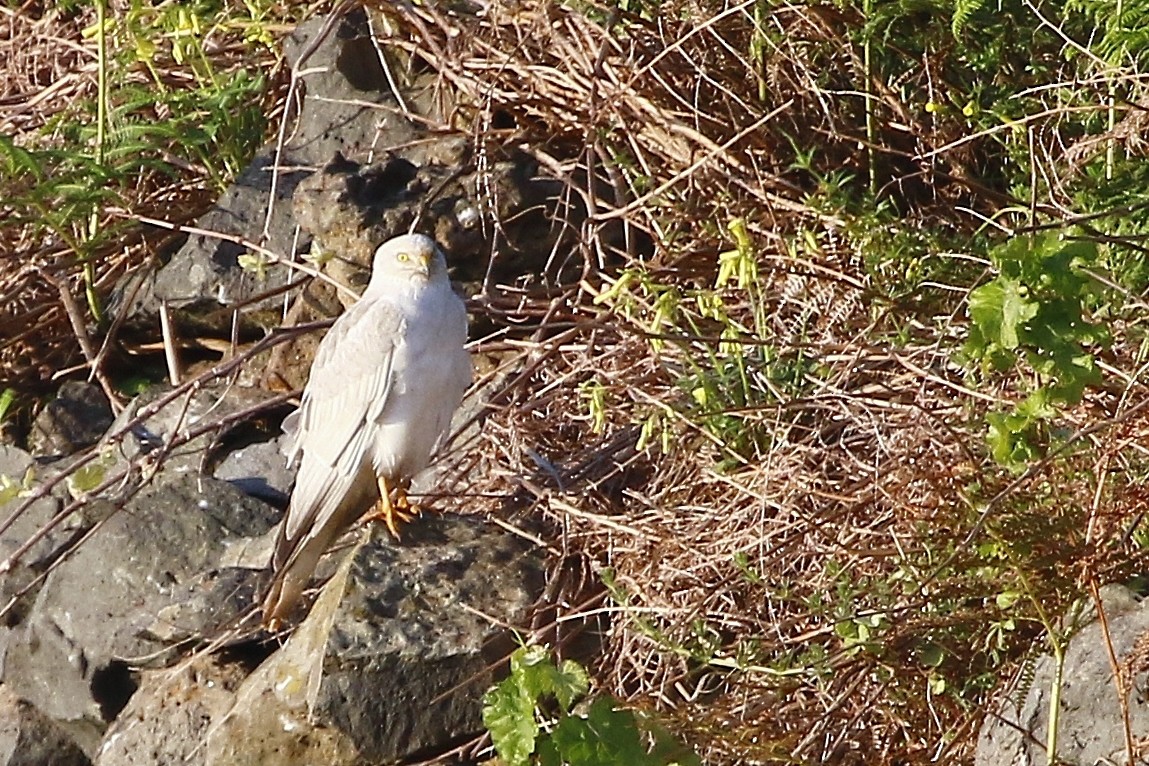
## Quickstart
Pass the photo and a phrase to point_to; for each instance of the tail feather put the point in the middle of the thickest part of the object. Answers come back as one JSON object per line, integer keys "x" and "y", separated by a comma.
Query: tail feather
{"x": 313, "y": 521}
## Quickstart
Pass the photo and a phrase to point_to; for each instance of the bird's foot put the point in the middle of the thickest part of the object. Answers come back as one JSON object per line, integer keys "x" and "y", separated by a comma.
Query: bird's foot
{"x": 406, "y": 510}
{"x": 391, "y": 513}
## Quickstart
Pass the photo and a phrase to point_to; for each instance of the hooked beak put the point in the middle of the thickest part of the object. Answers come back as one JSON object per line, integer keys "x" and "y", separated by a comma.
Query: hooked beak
{"x": 424, "y": 262}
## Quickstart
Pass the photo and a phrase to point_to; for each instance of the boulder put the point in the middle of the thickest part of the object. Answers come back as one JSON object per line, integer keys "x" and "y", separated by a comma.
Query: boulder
{"x": 395, "y": 655}
{"x": 168, "y": 718}
{"x": 29, "y": 738}
{"x": 1091, "y": 728}
{"x": 75, "y": 419}
{"x": 75, "y": 654}
{"x": 19, "y": 473}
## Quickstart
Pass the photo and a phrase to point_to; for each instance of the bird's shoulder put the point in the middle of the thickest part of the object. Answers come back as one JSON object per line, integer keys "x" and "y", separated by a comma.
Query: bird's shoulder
{"x": 360, "y": 337}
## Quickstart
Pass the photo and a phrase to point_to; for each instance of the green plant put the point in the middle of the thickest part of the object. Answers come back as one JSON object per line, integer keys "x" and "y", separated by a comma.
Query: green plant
{"x": 168, "y": 105}
{"x": 535, "y": 717}
{"x": 724, "y": 366}
{"x": 7, "y": 401}
{"x": 1032, "y": 319}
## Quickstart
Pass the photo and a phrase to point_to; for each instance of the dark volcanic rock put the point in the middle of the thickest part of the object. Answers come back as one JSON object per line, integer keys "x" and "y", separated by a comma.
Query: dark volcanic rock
{"x": 76, "y": 418}
{"x": 206, "y": 274}
{"x": 18, "y": 467}
{"x": 191, "y": 413}
{"x": 72, "y": 657}
{"x": 395, "y": 655}
{"x": 398, "y": 174}
{"x": 260, "y": 470}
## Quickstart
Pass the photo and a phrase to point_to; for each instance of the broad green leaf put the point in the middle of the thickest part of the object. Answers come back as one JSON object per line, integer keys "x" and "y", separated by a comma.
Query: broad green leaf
{"x": 530, "y": 666}
{"x": 86, "y": 478}
{"x": 1010, "y": 440}
{"x": 606, "y": 737}
{"x": 570, "y": 683}
{"x": 1000, "y": 309}
{"x": 509, "y": 714}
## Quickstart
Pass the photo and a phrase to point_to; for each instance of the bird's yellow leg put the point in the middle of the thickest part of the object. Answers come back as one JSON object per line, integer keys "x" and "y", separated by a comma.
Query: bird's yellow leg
{"x": 405, "y": 508}
{"x": 383, "y": 509}
{"x": 386, "y": 509}
{"x": 391, "y": 513}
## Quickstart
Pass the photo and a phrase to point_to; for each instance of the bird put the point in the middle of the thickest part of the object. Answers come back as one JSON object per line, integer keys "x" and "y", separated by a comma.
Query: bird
{"x": 386, "y": 381}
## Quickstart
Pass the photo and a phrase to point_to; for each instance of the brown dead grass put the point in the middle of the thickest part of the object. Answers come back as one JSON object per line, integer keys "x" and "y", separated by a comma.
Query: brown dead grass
{"x": 734, "y": 589}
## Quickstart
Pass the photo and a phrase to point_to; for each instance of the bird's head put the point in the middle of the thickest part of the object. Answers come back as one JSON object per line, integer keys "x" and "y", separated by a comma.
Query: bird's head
{"x": 409, "y": 258}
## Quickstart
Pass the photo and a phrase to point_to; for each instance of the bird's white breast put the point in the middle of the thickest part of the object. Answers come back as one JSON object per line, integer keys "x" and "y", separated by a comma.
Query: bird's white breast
{"x": 435, "y": 373}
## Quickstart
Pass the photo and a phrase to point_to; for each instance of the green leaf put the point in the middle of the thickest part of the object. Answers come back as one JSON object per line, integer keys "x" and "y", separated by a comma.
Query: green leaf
{"x": 509, "y": 714}
{"x": 7, "y": 399}
{"x": 539, "y": 677}
{"x": 86, "y": 478}
{"x": 9, "y": 489}
{"x": 570, "y": 684}
{"x": 530, "y": 666}
{"x": 1012, "y": 440}
{"x": 1035, "y": 407}
{"x": 606, "y": 737}
{"x": 931, "y": 655}
{"x": 1000, "y": 309}
{"x": 963, "y": 10}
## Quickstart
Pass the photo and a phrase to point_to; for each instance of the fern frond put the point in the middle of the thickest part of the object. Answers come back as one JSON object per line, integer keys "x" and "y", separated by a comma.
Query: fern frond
{"x": 963, "y": 10}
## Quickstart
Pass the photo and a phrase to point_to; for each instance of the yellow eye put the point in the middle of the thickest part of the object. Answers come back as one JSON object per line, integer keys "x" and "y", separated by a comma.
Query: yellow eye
{"x": 402, "y": 257}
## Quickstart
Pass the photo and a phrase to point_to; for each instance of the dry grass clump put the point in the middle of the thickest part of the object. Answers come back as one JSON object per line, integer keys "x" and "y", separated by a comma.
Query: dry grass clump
{"x": 851, "y": 586}
{"x": 806, "y": 554}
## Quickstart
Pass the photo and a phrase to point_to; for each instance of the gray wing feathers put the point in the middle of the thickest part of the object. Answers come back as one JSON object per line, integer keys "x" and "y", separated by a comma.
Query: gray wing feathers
{"x": 348, "y": 389}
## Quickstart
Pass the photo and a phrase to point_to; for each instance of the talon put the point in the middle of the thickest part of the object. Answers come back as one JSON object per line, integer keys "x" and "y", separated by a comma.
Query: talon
{"x": 404, "y": 508}
{"x": 392, "y": 512}
{"x": 384, "y": 510}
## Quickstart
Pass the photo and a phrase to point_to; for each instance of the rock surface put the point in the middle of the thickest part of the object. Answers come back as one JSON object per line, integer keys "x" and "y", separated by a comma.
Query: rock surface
{"x": 260, "y": 470}
{"x": 391, "y": 661}
{"x": 73, "y": 656}
{"x": 395, "y": 654}
{"x": 29, "y": 738}
{"x": 18, "y": 470}
{"x": 169, "y": 717}
{"x": 201, "y": 418}
{"x": 1090, "y": 728}
{"x": 75, "y": 419}
{"x": 206, "y": 275}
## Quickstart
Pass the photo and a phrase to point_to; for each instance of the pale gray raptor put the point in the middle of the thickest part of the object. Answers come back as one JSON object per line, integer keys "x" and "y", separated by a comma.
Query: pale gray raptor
{"x": 386, "y": 380}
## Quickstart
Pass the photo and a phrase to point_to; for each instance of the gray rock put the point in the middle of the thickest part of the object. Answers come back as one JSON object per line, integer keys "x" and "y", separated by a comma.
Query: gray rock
{"x": 1090, "y": 728}
{"x": 93, "y": 616}
{"x": 168, "y": 717}
{"x": 201, "y": 407}
{"x": 18, "y": 470}
{"x": 75, "y": 419}
{"x": 28, "y": 738}
{"x": 209, "y": 600}
{"x": 260, "y": 470}
{"x": 402, "y": 174}
{"x": 205, "y": 273}
{"x": 396, "y": 653}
